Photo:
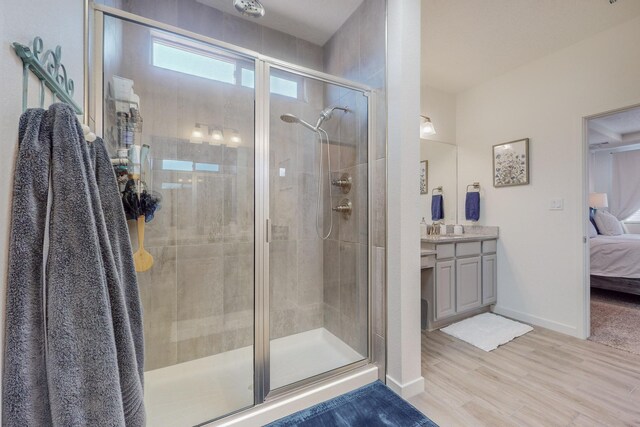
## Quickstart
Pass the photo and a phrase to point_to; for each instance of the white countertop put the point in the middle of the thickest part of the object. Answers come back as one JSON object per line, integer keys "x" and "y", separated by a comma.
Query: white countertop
{"x": 452, "y": 238}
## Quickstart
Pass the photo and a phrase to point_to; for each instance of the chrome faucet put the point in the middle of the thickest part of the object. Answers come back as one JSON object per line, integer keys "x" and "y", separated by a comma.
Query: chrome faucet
{"x": 434, "y": 228}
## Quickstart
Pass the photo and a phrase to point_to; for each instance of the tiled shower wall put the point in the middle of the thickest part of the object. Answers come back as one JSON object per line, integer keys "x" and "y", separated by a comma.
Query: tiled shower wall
{"x": 357, "y": 52}
{"x": 346, "y": 250}
{"x": 198, "y": 298}
{"x": 199, "y": 18}
{"x": 295, "y": 253}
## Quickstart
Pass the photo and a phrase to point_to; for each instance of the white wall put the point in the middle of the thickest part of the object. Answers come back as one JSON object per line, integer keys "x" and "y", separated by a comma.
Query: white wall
{"x": 440, "y": 107}
{"x": 441, "y": 172}
{"x": 600, "y": 172}
{"x": 403, "y": 232}
{"x": 59, "y": 22}
{"x": 540, "y": 253}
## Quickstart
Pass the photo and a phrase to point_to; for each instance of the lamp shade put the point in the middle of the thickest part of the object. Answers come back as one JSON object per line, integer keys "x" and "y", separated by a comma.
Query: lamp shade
{"x": 426, "y": 127}
{"x": 598, "y": 200}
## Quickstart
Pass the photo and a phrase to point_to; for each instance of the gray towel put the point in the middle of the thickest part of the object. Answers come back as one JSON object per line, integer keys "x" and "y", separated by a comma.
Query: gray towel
{"x": 73, "y": 349}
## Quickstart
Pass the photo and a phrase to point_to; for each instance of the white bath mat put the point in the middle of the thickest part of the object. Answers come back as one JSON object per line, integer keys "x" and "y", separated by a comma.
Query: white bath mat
{"x": 487, "y": 331}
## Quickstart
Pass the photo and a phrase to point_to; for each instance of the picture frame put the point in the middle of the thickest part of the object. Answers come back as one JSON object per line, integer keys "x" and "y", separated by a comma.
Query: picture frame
{"x": 511, "y": 163}
{"x": 424, "y": 177}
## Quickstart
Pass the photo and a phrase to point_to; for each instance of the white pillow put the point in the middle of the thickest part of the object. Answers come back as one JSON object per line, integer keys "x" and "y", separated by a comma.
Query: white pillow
{"x": 592, "y": 231}
{"x": 608, "y": 224}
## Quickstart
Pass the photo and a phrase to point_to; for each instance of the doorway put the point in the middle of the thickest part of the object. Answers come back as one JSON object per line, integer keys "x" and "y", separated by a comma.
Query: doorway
{"x": 612, "y": 147}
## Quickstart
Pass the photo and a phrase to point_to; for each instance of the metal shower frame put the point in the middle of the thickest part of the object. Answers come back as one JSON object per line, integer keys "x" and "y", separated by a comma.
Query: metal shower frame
{"x": 94, "y": 96}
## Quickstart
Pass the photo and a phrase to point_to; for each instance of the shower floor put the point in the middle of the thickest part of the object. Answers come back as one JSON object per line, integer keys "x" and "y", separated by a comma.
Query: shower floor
{"x": 193, "y": 392}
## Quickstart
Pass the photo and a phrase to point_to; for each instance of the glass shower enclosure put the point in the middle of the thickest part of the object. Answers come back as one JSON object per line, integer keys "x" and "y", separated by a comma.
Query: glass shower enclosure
{"x": 260, "y": 282}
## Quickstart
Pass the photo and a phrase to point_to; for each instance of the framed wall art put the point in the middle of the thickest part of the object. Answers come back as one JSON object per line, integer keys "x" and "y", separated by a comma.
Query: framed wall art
{"x": 511, "y": 163}
{"x": 424, "y": 177}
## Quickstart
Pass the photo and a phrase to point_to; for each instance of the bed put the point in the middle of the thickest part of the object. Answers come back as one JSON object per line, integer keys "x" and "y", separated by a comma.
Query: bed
{"x": 615, "y": 263}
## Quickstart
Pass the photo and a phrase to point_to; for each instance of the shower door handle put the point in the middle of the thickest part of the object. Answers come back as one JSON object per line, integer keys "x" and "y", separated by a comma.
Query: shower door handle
{"x": 268, "y": 234}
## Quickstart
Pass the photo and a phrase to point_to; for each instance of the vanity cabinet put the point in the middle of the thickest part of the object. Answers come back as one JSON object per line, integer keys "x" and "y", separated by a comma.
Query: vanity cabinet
{"x": 468, "y": 284}
{"x": 445, "y": 289}
{"x": 463, "y": 281}
{"x": 489, "y": 279}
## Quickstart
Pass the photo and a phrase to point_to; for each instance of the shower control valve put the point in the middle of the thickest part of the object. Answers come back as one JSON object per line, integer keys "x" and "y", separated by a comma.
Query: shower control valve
{"x": 344, "y": 207}
{"x": 344, "y": 182}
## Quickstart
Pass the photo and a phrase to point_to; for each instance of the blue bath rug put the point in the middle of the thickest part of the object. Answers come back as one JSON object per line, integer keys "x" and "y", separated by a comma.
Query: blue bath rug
{"x": 369, "y": 406}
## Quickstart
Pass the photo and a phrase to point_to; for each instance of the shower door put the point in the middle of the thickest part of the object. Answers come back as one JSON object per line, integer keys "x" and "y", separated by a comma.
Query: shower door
{"x": 196, "y": 104}
{"x": 258, "y": 285}
{"x": 318, "y": 258}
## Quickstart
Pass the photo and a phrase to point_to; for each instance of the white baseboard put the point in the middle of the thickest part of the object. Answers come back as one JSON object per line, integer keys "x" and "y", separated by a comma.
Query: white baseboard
{"x": 287, "y": 405}
{"x": 537, "y": 321}
{"x": 406, "y": 390}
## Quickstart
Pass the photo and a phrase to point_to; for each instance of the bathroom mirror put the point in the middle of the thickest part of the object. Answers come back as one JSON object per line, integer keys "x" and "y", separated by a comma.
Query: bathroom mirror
{"x": 442, "y": 171}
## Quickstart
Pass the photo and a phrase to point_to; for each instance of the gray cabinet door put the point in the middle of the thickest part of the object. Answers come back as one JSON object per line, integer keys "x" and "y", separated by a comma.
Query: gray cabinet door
{"x": 468, "y": 284}
{"x": 445, "y": 289}
{"x": 489, "y": 279}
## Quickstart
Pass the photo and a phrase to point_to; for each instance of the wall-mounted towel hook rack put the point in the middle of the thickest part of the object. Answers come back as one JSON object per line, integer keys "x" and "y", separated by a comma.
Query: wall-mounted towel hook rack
{"x": 475, "y": 187}
{"x": 439, "y": 189}
{"x": 49, "y": 69}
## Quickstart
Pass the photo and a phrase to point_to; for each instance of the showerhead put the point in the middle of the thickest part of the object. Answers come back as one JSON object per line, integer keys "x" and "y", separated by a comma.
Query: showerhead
{"x": 290, "y": 118}
{"x": 327, "y": 113}
{"x": 250, "y": 8}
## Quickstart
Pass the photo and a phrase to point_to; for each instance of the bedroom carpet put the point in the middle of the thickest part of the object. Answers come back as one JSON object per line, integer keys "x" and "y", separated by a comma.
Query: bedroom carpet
{"x": 615, "y": 320}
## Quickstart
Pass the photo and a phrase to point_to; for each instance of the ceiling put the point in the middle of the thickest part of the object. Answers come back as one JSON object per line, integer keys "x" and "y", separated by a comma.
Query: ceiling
{"x": 467, "y": 42}
{"x": 309, "y": 20}
{"x": 615, "y": 130}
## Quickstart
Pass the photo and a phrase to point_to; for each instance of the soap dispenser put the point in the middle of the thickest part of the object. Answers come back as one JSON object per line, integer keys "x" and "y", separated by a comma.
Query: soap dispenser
{"x": 423, "y": 229}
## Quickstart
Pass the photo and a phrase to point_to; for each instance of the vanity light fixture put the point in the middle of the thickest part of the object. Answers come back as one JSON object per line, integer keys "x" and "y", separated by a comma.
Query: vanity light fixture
{"x": 234, "y": 140}
{"x": 197, "y": 134}
{"x": 197, "y": 131}
{"x": 426, "y": 127}
{"x": 217, "y": 135}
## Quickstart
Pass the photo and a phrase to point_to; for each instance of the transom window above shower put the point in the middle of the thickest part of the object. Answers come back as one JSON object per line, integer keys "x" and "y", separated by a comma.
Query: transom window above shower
{"x": 180, "y": 57}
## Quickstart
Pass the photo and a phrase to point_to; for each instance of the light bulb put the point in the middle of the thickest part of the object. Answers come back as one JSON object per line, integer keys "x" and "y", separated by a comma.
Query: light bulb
{"x": 234, "y": 139}
{"x": 217, "y": 135}
{"x": 197, "y": 132}
{"x": 196, "y": 135}
{"x": 426, "y": 127}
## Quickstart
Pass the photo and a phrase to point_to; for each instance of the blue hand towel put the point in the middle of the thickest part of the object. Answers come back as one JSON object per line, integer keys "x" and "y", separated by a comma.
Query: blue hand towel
{"x": 472, "y": 206}
{"x": 437, "y": 207}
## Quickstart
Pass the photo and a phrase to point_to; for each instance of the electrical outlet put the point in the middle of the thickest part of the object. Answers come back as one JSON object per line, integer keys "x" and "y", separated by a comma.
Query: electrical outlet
{"x": 556, "y": 204}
